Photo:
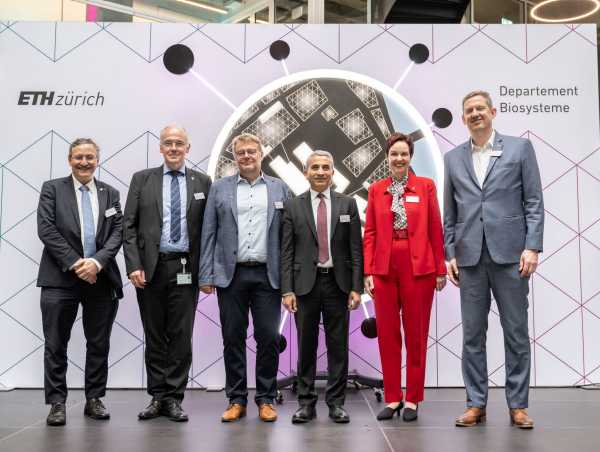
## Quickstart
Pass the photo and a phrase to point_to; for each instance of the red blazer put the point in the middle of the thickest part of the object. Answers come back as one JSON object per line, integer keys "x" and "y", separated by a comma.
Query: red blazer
{"x": 425, "y": 236}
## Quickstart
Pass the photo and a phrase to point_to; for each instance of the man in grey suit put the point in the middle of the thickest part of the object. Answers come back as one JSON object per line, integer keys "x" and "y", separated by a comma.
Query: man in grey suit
{"x": 240, "y": 257}
{"x": 162, "y": 228}
{"x": 493, "y": 223}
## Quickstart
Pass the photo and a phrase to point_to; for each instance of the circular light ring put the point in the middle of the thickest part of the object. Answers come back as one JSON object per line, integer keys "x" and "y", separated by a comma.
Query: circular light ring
{"x": 566, "y": 19}
{"x": 438, "y": 165}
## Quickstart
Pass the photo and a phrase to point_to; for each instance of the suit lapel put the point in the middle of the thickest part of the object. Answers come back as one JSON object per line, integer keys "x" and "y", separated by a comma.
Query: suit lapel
{"x": 157, "y": 185}
{"x": 270, "y": 202}
{"x": 498, "y": 145}
{"x": 233, "y": 188}
{"x": 189, "y": 188}
{"x": 468, "y": 161}
{"x": 308, "y": 213}
{"x": 102, "y": 203}
{"x": 335, "y": 210}
{"x": 72, "y": 202}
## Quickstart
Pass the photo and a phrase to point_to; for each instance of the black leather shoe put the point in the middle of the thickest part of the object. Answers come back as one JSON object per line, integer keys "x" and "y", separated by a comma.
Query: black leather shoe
{"x": 57, "y": 415}
{"x": 304, "y": 414}
{"x": 151, "y": 411}
{"x": 410, "y": 414}
{"x": 95, "y": 409}
{"x": 338, "y": 415}
{"x": 388, "y": 413}
{"x": 171, "y": 408}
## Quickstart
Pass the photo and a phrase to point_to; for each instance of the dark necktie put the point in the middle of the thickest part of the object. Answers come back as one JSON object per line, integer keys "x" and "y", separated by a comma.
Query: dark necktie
{"x": 175, "y": 207}
{"x": 322, "y": 229}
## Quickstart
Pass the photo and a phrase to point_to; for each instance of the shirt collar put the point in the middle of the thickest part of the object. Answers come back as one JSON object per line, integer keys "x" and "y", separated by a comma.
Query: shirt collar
{"x": 488, "y": 145}
{"x": 181, "y": 170}
{"x": 91, "y": 185}
{"x": 259, "y": 179}
{"x": 314, "y": 194}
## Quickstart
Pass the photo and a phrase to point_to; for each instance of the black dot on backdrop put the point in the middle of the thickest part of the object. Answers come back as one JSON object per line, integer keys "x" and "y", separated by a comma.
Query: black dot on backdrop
{"x": 418, "y": 53}
{"x": 178, "y": 59}
{"x": 282, "y": 343}
{"x": 442, "y": 118}
{"x": 279, "y": 50}
{"x": 368, "y": 327}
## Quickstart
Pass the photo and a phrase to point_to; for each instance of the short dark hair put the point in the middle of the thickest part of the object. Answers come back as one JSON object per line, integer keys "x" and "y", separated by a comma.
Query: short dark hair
{"x": 397, "y": 136}
{"x": 80, "y": 141}
{"x": 484, "y": 94}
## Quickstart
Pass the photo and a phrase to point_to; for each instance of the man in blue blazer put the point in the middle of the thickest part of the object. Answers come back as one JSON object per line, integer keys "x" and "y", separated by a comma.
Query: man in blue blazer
{"x": 240, "y": 258}
{"x": 494, "y": 225}
{"x": 80, "y": 223}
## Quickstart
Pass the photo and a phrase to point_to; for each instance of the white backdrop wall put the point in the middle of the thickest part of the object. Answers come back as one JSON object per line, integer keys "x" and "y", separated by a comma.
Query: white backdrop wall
{"x": 124, "y": 63}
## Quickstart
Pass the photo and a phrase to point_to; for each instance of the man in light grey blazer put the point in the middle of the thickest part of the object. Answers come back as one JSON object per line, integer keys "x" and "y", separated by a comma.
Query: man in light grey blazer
{"x": 240, "y": 257}
{"x": 494, "y": 224}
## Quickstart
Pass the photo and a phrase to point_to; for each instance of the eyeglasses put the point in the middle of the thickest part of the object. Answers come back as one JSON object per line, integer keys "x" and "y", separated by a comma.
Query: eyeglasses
{"x": 176, "y": 143}
{"x": 248, "y": 152}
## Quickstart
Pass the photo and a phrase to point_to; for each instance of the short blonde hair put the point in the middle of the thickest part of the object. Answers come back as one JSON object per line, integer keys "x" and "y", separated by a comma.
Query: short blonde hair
{"x": 246, "y": 138}
{"x": 484, "y": 94}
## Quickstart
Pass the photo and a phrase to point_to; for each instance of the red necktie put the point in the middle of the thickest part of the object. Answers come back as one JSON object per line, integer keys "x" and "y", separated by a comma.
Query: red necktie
{"x": 322, "y": 230}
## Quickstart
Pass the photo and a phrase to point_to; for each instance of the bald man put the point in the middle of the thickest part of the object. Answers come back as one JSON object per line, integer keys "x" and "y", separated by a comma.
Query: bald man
{"x": 162, "y": 228}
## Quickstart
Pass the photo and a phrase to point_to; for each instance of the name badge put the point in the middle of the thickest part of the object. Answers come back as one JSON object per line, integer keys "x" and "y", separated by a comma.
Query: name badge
{"x": 198, "y": 196}
{"x": 110, "y": 212}
{"x": 278, "y": 204}
{"x": 184, "y": 278}
{"x": 412, "y": 199}
{"x": 495, "y": 153}
{"x": 344, "y": 218}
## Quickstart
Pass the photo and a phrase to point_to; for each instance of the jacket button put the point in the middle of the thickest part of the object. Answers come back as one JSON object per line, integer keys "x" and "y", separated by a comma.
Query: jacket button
{"x": 234, "y": 253}
{"x": 480, "y": 218}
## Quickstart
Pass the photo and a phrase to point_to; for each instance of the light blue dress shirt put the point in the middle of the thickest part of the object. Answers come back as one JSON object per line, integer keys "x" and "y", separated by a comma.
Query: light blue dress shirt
{"x": 252, "y": 210}
{"x": 166, "y": 245}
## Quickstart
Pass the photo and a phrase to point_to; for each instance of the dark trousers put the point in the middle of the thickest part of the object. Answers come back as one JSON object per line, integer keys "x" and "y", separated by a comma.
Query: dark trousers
{"x": 327, "y": 299}
{"x": 59, "y": 310}
{"x": 168, "y": 312}
{"x": 250, "y": 291}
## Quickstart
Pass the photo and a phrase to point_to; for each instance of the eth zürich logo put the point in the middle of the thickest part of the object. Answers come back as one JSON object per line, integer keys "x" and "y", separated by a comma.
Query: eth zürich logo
{"x": 67, "y": 99}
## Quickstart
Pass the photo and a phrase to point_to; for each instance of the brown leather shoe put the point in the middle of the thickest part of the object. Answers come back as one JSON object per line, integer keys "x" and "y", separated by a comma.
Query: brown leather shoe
{"x": 471, "y": 417}
{"x": 267, "y": 413}
{"x": 519, "y": 418}
{"x": 234, "y": 412}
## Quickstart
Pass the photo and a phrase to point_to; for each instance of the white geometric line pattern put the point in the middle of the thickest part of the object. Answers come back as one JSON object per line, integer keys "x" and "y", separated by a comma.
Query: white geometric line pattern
{"x": 329, "y": 113}
{"x": 380, "y": 120}
{"x": 275, "y": 129}
{"x": 365, "y": 93}
{"x": 361, "y": 157}
{"x": 354, "y": 126}
{"x": 307, "y": 100}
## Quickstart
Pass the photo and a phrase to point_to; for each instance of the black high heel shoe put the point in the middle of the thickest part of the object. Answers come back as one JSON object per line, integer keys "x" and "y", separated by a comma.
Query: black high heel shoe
{"x": 410, "y": 414}
{"x": 388, "y": 413}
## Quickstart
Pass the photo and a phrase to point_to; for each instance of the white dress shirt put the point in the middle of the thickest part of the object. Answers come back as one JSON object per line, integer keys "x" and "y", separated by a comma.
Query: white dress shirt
{"x": 315, "y": 205}
{"x": 91, "y": 185}
{"x": 481, "y": 157}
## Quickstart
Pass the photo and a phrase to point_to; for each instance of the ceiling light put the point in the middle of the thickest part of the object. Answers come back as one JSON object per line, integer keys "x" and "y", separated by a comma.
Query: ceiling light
{"x": 595, "y": 4}
{"x": 214, "y": 9}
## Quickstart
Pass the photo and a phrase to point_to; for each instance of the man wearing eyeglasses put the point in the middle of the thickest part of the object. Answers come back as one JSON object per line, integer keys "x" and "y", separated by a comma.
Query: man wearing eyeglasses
{"x": 162, "y": 229}
{"x": 240, "y": 258}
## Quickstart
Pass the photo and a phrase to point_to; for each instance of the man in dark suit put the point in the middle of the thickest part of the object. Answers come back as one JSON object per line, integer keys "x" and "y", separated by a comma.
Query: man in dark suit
{"x": 321, "y": 274}
{"x": 162, "y": 228}
{"x": 80, "y": 223}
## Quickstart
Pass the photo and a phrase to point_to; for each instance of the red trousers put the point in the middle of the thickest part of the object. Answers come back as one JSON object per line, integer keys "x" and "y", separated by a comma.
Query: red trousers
{"x": 400, "y": 295}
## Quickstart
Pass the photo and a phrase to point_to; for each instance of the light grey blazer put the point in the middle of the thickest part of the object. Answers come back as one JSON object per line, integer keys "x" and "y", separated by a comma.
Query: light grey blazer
{"x": 219, "y": 240}
{"x": 509, "y": 208}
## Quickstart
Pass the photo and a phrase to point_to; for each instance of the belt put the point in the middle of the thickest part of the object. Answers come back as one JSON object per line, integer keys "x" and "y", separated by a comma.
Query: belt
{"x": 251, "y": 264}
{"x": 324, "y": 270}
{"x": 172, "y": 256}
{"x": 399, "y": 234}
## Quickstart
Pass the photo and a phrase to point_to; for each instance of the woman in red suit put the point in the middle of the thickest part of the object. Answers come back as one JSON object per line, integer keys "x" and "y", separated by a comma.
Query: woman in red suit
{"x": 404, "y": 263}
